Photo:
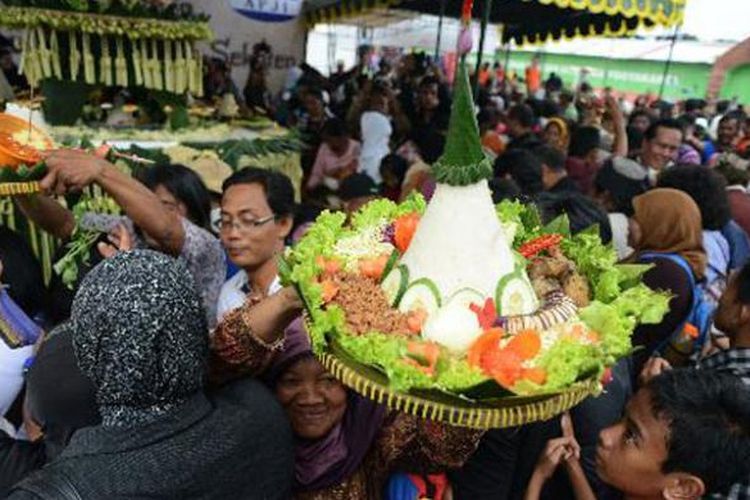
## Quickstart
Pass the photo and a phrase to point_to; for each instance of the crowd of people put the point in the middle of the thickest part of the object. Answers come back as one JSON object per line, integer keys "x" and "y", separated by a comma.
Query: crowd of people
{"x": 179, "y": 367}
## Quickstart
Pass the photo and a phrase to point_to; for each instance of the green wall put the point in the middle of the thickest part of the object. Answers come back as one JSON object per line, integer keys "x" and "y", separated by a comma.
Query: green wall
{"x": 737, "y": 83}
{"x": 636, "y": 76}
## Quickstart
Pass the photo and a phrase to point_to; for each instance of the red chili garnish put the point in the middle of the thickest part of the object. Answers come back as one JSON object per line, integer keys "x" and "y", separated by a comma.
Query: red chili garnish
{"x": 535, "y": 246}
{"x": 486, "y": 315}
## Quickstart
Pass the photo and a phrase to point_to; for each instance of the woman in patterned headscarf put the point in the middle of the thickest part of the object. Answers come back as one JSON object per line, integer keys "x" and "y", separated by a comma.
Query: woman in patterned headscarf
{"x": 139, "y": 334}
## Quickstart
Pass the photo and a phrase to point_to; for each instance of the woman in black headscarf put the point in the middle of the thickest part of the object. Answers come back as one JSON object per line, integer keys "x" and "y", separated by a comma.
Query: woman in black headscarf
{"x": 139, "y": 335}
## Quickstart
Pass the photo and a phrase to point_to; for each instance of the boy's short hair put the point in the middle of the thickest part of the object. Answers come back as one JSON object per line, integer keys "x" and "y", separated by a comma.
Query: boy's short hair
{"x": 708, "y": 415}
{"x": 551, "y": 157}
{"x": 667, "y": 123}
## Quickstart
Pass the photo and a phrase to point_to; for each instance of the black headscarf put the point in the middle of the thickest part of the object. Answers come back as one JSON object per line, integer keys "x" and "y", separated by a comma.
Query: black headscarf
{"x": 58, "y": 396}
{"x": 140, "y": 336}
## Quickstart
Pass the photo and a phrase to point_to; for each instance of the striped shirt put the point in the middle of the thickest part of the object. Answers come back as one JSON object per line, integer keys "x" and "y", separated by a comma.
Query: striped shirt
{"x": 736, "y": 361}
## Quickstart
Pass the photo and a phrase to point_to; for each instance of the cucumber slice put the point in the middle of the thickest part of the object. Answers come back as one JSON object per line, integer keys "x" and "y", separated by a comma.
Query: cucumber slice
{"x": 422, "y": 294}
{"x": 394, "y": 285}
{"x": 515, "y": 296}
{"x": 465, "y": 297}
{"x": 390, "y": 265}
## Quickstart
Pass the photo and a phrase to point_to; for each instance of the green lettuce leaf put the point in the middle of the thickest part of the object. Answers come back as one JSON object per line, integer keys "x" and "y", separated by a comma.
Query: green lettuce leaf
{"x": 456, "y": 376}
{"x": 378, "y": 211}
{"x": 613, "y": 328}
{"x": 566, "y": 361}
{"x": 523, "y": 219}
{"x": 616, "y": 321}
{"x": 387, "y": 353}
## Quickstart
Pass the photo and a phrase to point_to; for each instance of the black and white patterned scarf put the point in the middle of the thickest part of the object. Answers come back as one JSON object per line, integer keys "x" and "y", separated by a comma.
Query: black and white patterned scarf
{"x": 140, "y": 335}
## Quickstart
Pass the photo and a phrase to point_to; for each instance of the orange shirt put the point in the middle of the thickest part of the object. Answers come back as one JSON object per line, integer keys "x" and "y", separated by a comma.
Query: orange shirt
{"x": 493, "y": 143}
{"x": 533, "y": 79}
{"x": 484, "y": 77}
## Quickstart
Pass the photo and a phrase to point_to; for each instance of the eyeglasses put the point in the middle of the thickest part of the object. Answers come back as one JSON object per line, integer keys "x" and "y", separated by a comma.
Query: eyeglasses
{"x": 244, "y": 225}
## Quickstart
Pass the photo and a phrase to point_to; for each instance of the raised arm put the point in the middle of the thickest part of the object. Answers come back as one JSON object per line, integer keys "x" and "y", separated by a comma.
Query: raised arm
{"x": 246, "y": 338}
{"x": 74, "y": 170}
{"x": 620, "y": 147}
{"x": 48, "y": 214}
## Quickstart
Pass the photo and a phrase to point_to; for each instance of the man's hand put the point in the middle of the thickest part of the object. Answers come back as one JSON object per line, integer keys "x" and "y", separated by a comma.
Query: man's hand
{"x": 654, "y": 367}
{"x": 120, "y": 240}
{"x": 71, "y": 170}
{"x": 613, "y": 108}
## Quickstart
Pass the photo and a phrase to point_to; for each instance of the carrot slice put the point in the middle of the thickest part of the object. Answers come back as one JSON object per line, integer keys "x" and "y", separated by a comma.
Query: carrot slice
{"x": 485, "y": 343}
{"x": 373, "y": 268}
{"x": 425, "y": 354}
{"x": 535, "y": 375}
{"x": 505, "y": 366}
{"x": 526, "y": 344}
{"x": 404, "y": 229}
{"x": 416, "y": 320}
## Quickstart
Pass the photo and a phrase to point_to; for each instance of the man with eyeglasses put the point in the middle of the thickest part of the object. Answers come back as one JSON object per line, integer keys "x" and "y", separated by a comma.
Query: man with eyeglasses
{"x": 256, "y": 217}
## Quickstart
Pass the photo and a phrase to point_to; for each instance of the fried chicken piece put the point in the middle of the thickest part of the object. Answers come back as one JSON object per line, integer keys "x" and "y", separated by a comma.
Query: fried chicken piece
{"x": 543, "y": 286}
{"x": 577, "y": 288}
{"x": 550, "y": 267}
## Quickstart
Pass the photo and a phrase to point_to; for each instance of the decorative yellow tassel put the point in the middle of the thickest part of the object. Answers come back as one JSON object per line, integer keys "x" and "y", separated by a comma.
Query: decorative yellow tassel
{"x": 179, "y": 68}
{"x": 148, "y": 81}
{"x": 105, "y": 73}
{"x": 55, "y": 55}
{"x": 169, "y": 68}
{"x": 89, "y": 70}
{"x": 75, "y": 55}
{"x": 34, "y": 61}
{"x": 156, "y": 67}
{"x": 198, "y": 73}
{"x": 190, "y": 68}
{"x": 44, "y": 53}
{"x": 121, "y": 65}
{"x": 137, "y": 63}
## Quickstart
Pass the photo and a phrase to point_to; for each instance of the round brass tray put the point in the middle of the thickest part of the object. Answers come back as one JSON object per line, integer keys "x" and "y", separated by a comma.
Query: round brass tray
{"x": 499, "y": 412}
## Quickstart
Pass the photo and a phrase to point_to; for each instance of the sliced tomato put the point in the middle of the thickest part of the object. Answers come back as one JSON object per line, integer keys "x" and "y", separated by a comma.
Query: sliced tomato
{"x": 535, "y": 375}
{"x": 526, "y": 344}
{"x": 373, "y": 268}
{"x": 487, "y": 342}
{"x": 416, "y": 320}
{"x": 504, "y": 365}
{"x": 329, "y": 266}
{"x": 404, "y": 229}
{"x": 425, "y": 354}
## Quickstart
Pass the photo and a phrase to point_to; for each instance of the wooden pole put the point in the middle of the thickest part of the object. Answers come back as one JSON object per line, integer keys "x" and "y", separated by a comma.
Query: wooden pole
{"x": 440, "y": 30}
{"x": 482, "y": 36}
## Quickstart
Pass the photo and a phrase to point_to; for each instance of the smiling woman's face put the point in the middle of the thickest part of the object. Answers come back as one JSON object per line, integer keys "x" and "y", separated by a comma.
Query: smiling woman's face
{"x": 313, "y": 399}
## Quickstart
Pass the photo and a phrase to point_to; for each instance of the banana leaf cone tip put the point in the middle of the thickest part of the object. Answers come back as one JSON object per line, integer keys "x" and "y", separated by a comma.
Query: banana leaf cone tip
{"x": 463, "y": 161}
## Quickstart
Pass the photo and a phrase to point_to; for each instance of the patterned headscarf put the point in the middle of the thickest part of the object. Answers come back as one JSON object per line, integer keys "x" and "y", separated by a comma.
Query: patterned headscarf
{"x": 140, "y": 336}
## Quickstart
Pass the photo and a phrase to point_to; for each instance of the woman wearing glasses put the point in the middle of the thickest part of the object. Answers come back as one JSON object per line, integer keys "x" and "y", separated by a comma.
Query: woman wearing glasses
{"x": 256, "y": 218}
